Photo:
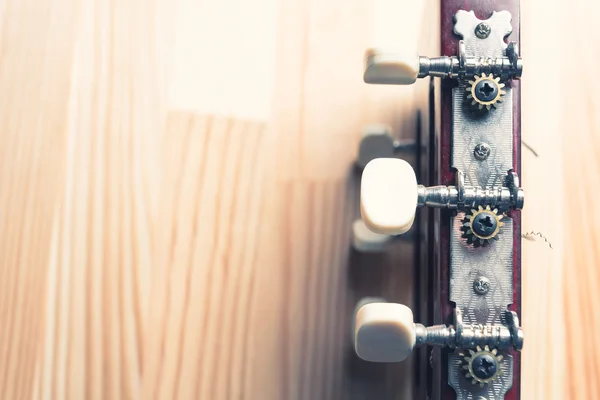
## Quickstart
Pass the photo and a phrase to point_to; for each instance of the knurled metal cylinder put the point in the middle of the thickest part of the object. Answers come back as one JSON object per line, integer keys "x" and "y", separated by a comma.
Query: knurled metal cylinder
{"x": 470, "y": 197}
{"x": 450, "y": 67}
{"x": 469, "y": 336}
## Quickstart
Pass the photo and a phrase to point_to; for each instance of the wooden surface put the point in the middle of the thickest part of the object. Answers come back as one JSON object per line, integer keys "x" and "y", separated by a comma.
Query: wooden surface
{"x": 176, "y": 195}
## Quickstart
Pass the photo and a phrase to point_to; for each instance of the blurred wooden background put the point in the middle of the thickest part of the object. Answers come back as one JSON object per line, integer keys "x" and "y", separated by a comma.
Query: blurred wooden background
{"x": 176, "y": 195}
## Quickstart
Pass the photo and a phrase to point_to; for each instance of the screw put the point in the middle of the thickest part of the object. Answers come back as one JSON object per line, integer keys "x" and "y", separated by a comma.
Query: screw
{"x": 481, "y": 285}
{"x": 483, "y": 30}
{"x": 482, "y": 151}
{"x": 484, "y": 366}
{"x": 486, "y": 90}
{"x": 484, "y": 224}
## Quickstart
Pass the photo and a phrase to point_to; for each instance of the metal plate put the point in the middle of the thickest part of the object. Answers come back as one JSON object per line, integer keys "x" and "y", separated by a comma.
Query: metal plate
{"x": 471, "y": 128}
{"x": 494, "y": 261}
{"x": 493, "y": 127}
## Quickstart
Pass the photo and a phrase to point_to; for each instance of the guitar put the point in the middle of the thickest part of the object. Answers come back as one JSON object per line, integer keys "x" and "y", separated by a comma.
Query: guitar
{"x": 466, "y": 331}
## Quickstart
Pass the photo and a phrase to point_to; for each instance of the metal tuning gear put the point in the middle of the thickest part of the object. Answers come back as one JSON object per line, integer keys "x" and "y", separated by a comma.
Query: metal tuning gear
{"x": 390, "y": 196}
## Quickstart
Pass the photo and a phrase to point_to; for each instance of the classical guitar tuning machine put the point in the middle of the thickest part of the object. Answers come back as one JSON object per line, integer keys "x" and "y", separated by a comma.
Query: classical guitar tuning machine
{"x": 390, "y": 196}
{"x": 386, "y": 332}
{"x": 483, "y": 76}
{"x": 396, "y": 68}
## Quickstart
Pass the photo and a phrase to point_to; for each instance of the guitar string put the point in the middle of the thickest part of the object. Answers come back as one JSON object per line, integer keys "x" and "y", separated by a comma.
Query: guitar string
{"x": 529, "y": 148}
{"x": 530, "y": 236}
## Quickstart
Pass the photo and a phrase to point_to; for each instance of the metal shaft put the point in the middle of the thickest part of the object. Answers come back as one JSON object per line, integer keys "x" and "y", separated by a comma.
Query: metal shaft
{"x": 467, "y": 198}
{"x": 452, "y": 67}
{"x": 470, "y": 336}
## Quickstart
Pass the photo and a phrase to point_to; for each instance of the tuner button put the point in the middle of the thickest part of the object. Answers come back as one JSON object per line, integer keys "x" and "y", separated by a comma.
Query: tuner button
{"x": 385, "y": 332}
{"x": 367, "y": 241}
{"x": 377, "y": 142}
{"x": 359, "y": 304}
{"x": 388, "y": 196}
{"x": 394, "y": 68}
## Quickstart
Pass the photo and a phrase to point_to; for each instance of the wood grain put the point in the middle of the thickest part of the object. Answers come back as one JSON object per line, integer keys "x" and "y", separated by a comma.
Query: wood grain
{"x": 176, "y": 194}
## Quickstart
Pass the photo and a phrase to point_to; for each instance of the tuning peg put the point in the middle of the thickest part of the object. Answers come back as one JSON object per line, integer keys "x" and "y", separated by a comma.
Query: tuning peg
{"x": 390, "y": 195}
{"x": 362, "y": 302}
{"x": 365, "y": 240}
{"x": 398, "y": 68}
{"x": 386, "y": 332}
{"x": 389, "y": 67}
{"x": 377, "y": 142}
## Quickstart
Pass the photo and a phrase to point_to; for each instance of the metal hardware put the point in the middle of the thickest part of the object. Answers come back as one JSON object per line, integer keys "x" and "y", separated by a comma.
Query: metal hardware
{"x": 464, "y": 197}
{"x": 485, "y": 91}
{"x": 463, "y": 335}
{"x": 457, "y": 67}
{"x": 481, "y": 285}
{"x": 484, "y": 225}
{"x": 482, "y": 151}
{"x": 483, "y": 30}
{"x": 506, "y": 65}
{"x": 494, "y": 261}
{"x": 463, "y": 385}
{"x": 483, "y": 365}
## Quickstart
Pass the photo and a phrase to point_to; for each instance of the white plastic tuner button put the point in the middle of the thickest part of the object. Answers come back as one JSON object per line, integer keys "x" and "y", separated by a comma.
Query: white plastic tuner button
{"x": 388, "y": 196}
{"x": 384, "y": 332}
{"x": 367, "y": 241}
{"x": 377, "y": 142}
{"x": 359, "y": 304}
{"x": 388, "y": 67}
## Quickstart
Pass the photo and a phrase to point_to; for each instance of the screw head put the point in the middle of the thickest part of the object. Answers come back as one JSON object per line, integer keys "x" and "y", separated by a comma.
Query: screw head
{"x": 484, "y": 366}
{"x": 483, "y": 30}
{"x": 482, "y": 151}
{"x": 481, "y": 285}
{"x": 486, "y": 90}
{"x": 484, "y": 224}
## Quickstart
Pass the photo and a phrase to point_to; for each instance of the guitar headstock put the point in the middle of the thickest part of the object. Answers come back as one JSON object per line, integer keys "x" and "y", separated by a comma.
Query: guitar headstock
{"x": 469, "y": 326}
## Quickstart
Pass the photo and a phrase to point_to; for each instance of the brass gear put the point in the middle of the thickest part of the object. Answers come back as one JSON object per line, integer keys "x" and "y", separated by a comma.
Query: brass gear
{"x": 482, "y": 366}
{"x": 482, "y": 225}
{"x": 493, "y": 86}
